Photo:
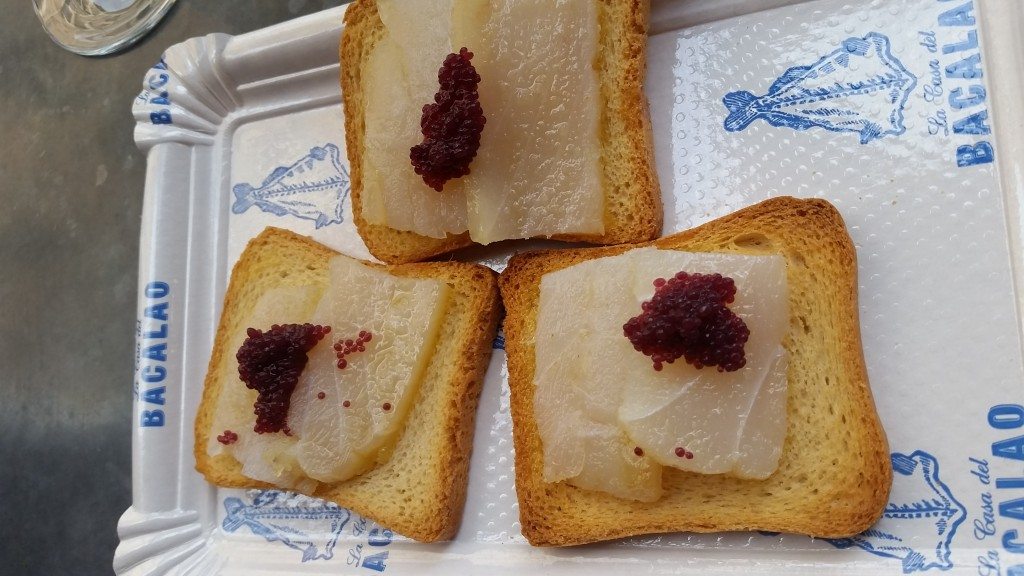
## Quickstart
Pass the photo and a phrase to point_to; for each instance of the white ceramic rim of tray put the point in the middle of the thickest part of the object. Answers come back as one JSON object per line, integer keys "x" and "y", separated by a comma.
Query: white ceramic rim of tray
{"x": 164, "y": 531}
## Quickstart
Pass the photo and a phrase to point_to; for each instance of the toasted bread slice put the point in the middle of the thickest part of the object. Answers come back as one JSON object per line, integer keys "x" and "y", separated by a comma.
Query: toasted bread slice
{"x": 632, "y": 211}
{"x": 419, "y": 491}
{"x": 834, "y": 475}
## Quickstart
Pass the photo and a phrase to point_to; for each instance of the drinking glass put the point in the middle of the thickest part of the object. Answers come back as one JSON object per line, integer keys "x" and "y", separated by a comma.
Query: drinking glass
{"x": 97, "y": 27}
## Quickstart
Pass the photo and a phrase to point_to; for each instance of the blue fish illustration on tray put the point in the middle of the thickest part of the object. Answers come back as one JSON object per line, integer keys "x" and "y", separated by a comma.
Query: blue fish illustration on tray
{"x": 923, "y": 505}
{"x": 860, "y": 87}
{"x": 297, "y": 521}
{"x": 313, "y": 187}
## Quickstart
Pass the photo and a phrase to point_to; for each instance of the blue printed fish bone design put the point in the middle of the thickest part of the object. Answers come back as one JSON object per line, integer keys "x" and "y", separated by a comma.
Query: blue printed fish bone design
{"x": 313, "y": 187}
{"x": 860, "y": 87}
{"x": 298, "y": 522}
{"x": 309, "y": 525}
{"x": 923, "y": 505}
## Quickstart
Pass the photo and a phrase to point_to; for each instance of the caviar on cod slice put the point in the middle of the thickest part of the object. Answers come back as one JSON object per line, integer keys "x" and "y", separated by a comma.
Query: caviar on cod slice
{"x": 400, "y": 76}
{"x": 689, "y": 317}
{"x": 695, "y": 419}
{"x": 705, "y": 419}
{"x": 537, "y": 170}
{"x": 263, "y": 456}
{"x": 354, "y": 354}
{"x": 384, "y": 329}
{"x": 270, "y": 363}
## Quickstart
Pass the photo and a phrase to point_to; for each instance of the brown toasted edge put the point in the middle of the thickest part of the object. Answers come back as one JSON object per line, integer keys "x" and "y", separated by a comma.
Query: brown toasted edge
{"x": 469, "y": 377}
{"x": 483, "y": 299}
{"x": 520, "y": 284}
{"x": 473, "y": 370}
{"x": 358, "y": 37}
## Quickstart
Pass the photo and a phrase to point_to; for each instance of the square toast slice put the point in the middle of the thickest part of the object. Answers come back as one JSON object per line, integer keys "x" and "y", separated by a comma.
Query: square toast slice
{"x": 420, "y": 490}
{"x": 834, "y": 475}
{"x": 632, "y": 211}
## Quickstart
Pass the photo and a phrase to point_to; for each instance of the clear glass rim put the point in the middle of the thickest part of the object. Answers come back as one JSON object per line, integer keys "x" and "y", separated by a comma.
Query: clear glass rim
{"x": 83, "y": 28}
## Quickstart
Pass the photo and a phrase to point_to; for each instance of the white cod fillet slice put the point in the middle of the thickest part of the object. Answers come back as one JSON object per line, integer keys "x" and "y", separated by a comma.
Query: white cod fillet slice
{"x": 400, "y": 77}
{"x": 404, "y": 316}
{"x": 263, "y": 457}
{"x": 577, "y": 415}
{"x": 537, "y": 172}
{"x": 732, "y": 423}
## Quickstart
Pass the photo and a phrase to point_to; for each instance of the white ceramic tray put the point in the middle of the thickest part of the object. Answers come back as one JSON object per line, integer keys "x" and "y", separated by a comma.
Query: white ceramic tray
{"x": 922, "y": 153}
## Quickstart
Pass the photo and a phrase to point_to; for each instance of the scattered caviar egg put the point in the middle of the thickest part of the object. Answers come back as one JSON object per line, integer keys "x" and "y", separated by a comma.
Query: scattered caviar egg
{"x": 684, "y": 453}
{"x": 321, "y": 395}
{"x": 451, "y": 124}
{"x": 346, "y": 404}
{"x": 227, "y": 438}
{"x": 270, "y": 362}
{"x": 343, "y": 348}
{"x": 387, "y": 406}
{"x": 688, "y": 318}
{"x": 638, "y": 451}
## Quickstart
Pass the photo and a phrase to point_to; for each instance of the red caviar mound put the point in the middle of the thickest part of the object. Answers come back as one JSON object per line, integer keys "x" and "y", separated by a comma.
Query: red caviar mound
{"x": 688, "y": 318}
{"x": 452, "y": 125}
{"x": 270, "y": 362}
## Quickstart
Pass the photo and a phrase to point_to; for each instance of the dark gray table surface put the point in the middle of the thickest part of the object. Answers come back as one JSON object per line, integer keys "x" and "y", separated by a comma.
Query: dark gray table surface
{"x": 71, "y": 183}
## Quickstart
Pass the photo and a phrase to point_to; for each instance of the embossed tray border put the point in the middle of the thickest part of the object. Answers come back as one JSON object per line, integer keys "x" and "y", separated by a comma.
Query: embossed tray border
{"x": 190, "y": 105}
